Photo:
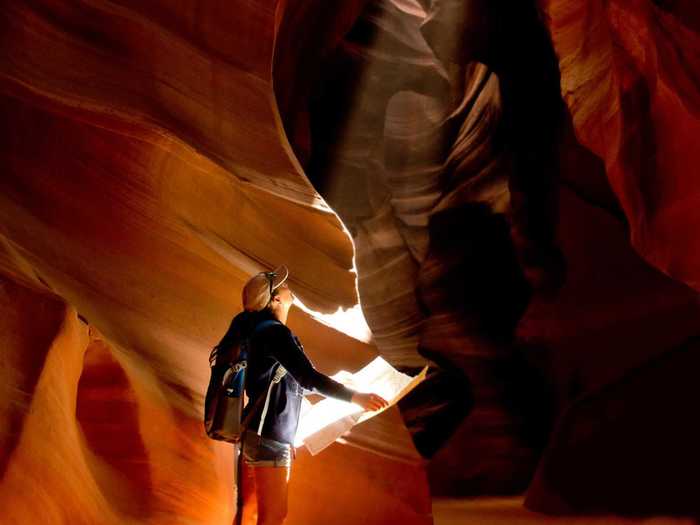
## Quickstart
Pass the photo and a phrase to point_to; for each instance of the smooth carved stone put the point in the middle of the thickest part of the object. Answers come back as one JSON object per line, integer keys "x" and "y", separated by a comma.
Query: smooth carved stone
{"x": 629, "y": 78}
{"x": 146, "y": 176}
{"x": 420, "y": 157}
{"x": 155, "y": 155}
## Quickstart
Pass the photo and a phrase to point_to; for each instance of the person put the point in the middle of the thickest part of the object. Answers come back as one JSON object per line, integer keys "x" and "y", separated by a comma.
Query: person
{"x": 279, "y": 375}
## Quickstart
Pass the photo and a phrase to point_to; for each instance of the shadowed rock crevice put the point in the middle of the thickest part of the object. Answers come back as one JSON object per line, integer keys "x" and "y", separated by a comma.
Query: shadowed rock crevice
{"x": 107, "y": 412}
{"x": 429, "y": 158}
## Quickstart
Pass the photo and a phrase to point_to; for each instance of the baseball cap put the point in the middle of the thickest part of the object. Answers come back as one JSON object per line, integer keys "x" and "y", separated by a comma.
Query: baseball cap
{"x": 257, "y": 292}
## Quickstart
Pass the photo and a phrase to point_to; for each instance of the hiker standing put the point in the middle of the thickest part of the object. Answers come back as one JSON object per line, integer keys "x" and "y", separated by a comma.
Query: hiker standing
{"x": 279, "y": 372}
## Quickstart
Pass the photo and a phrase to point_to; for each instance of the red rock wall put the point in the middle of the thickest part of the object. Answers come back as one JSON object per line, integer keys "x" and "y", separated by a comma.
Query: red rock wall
{"x": 622, "y": 333}
{"x": 630, "y": 81}
{"x": 448, "y": 171}
{"x": 155, "y": 155}
{"x": 145, "y": 177}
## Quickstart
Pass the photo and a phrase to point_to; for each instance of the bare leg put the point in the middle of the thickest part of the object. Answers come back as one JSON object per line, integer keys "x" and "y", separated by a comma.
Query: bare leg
{"x": 250, "y": 504}
{"x": 271, "y": 485}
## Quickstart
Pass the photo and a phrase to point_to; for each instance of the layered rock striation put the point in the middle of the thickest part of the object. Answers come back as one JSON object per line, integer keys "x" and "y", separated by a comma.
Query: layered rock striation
{"x": 509, "y": 190}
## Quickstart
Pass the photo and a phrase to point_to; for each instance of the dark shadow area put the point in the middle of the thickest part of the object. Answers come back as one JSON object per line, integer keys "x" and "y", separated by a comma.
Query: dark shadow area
{"x": 435, "y": 408}
{"x": 629, "y": 448}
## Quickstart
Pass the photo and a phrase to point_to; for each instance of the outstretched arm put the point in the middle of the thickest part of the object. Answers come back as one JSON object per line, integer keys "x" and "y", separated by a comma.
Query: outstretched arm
{"x": 285, "y": 349}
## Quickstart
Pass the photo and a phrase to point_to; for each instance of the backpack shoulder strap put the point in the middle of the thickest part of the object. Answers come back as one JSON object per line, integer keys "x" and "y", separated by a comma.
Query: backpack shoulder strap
{"x": 276, "y": 379}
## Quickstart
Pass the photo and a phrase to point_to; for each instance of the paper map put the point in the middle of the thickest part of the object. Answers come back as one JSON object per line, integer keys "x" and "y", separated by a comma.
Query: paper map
{"x": 321, "y": 424}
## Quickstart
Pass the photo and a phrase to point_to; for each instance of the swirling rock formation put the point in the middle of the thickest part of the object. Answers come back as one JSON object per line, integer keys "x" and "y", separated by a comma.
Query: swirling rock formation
{"x": 491, "y": 163}
{"x": 629, "y": 78}
{"x": 145, "y": 177}
{"x": 450, "y": 205}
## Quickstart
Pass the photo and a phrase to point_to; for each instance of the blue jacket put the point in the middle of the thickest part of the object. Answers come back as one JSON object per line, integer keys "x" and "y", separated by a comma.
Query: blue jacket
{"x": 270, "y": 347}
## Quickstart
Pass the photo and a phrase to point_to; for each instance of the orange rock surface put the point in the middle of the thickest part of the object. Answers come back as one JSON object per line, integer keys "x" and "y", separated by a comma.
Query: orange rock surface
{"x": 514, "y": 199}
{"x": 630, "y": 80}
{"x": 146, "y": 176}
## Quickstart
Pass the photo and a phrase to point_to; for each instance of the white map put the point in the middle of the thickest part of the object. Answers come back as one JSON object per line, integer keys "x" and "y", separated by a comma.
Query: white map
{"x": 321, "y": 424}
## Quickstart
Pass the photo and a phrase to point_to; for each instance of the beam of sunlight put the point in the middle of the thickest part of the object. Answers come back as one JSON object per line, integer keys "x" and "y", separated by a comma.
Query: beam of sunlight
{"x": 351, "y": 322}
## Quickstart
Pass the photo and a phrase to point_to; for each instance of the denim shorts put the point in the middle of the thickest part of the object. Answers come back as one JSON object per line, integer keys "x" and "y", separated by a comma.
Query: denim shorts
{"x": 264, "y": 452}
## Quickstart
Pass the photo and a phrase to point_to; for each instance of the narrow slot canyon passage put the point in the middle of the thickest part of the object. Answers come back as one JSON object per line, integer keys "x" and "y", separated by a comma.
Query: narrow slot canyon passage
{"x": 503, "y": 192}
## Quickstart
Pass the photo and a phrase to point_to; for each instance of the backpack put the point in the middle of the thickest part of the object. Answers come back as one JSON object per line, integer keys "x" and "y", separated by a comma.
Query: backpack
{"x": 223, "y": 404}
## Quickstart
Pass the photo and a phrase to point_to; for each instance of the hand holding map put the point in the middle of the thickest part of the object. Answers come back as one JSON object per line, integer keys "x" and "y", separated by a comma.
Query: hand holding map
{"x": 321, "y": 424}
